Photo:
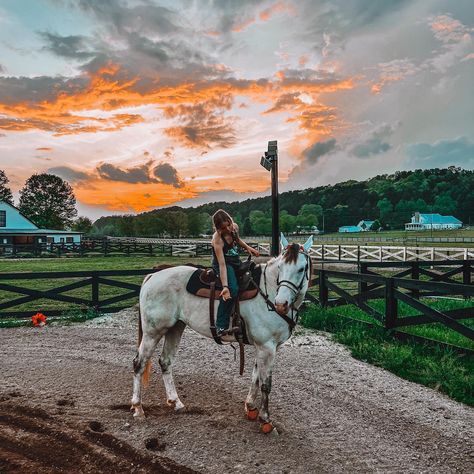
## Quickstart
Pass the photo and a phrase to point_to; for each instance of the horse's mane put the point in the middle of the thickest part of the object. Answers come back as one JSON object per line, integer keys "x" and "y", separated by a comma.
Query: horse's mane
{"x": 291, "y": 253}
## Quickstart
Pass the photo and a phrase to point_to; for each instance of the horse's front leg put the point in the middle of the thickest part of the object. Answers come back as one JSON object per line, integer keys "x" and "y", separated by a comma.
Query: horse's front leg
{"x": 265, "y": 361}
{"x": 250, "y": 403}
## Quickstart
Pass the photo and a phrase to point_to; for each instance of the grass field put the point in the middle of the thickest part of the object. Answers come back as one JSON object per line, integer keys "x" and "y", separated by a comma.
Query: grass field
{"x": 436, "y": 367}
{"x": 79, "y": 264}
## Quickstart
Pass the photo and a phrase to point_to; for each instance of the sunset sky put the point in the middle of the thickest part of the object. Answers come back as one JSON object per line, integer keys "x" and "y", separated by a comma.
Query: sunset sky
{"x": 141, "y": 104}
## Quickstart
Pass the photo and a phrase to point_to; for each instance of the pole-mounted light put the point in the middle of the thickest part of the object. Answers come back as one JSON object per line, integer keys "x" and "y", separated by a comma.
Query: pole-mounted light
{"x": 270, "y": 163}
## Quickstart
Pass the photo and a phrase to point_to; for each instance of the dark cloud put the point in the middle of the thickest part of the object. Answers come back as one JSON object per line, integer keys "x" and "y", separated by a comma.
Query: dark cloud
{"x": 204, "y": 125}
{"x": 72, "y": 47}
{"x": 458, "y": 152}
{"x": 146, "y": 17}
{"x": 38, "y": 89}
{"x": 135, "y": 174}
{"x": 148, "y": 172}
{"x": 69, "y": 174}
{"x": 375, "y": 144}
{"x": 167, "y": 174}
{"x": 318, "y": 149}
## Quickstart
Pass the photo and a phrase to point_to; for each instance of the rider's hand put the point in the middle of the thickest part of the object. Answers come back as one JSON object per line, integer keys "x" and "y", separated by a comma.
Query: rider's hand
{"x": 254, "y": 252}
{"x": 225, "y": 294}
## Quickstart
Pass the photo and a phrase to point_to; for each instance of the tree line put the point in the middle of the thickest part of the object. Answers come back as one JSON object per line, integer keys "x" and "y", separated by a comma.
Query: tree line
{"x": 389, "y": 199}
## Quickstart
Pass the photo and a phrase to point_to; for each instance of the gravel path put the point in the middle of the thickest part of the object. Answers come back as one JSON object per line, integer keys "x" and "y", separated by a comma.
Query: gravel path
{"x": 64, "y": 407}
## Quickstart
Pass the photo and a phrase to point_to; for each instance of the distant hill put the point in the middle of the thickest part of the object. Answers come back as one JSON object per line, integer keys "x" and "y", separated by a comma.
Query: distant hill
{"x": 390, "y": 199}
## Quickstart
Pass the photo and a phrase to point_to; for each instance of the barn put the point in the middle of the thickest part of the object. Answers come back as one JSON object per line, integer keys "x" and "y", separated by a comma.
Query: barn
{"x": 16, "y": 229}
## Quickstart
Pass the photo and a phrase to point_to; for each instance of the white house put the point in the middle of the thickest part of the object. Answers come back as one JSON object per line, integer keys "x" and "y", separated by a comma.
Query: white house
{"x": 432, "y": 221}
{"x": 16, "y": 229}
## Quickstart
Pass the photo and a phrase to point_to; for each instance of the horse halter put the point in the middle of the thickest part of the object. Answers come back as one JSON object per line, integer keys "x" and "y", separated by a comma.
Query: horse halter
{"x": 296, "y": 289}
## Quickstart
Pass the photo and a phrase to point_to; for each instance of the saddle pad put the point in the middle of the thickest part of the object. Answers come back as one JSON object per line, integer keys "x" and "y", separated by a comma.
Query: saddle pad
{"x": 196, "y": 287}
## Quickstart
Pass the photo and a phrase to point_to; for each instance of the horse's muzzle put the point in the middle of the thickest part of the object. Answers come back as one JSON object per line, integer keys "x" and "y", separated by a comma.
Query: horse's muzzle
{"x": 282, "y": 308}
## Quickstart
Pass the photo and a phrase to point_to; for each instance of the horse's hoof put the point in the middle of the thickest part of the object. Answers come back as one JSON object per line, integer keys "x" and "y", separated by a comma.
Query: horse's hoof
{"x": 266, "y": 427}
{"x": 252, "y": 413}
{"x": 138, "y": 412}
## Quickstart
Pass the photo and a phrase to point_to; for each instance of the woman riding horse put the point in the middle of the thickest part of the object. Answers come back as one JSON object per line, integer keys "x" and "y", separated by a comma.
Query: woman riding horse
{"x": 225, "y": 261}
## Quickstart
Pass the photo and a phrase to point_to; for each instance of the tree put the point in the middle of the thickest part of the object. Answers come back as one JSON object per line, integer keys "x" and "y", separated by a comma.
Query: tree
{"x": 5, "y": 192}
{"x": 48, "y": 201}
{"x": 82, "y": 224}
{"x": 287, "y": 223}
{"x": 445, "y": 204}
{"x": 177, "y": 223}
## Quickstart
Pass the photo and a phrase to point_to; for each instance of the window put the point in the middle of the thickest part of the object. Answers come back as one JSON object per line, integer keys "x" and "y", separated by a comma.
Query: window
{"x": 61, "y": 239}
{"x": 3, "y": 218}
{"x": 69, "y": 240}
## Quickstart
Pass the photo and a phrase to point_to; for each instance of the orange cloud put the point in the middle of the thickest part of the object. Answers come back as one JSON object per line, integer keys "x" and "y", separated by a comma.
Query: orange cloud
{"x": 199, "y": 107}
{"x": 44, "y": 148}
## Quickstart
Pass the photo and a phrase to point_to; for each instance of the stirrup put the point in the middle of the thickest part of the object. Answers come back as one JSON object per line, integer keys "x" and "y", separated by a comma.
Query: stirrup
{"x": 227, "y": 332}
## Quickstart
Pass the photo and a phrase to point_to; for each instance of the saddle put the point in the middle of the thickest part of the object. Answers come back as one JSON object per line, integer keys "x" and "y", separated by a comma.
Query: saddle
{"x": 205, "y": 283}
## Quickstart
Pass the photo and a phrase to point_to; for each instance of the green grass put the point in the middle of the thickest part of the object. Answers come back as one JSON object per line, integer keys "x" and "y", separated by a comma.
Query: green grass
{"x": 80, "y": 264}
{"x": 436, "y": 367}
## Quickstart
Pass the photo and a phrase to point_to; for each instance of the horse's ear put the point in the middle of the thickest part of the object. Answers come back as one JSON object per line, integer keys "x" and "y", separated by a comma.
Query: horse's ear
{"x": 308, "y": 244}
{"x": 283, "y": 241}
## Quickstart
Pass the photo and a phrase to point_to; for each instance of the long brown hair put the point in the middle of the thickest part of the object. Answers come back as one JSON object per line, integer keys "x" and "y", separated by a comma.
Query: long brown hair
{"x": 221, "y": 217}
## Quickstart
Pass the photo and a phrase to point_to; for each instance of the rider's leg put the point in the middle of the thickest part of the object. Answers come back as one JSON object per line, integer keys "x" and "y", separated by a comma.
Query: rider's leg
{"x": 225, "y": 307}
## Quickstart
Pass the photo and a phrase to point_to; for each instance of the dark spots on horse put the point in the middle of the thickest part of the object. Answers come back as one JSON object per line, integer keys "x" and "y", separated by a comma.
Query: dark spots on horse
{"x": 96, "y": 426}
{"x": 136, "y": 364}
{"x": 152, "y": 444}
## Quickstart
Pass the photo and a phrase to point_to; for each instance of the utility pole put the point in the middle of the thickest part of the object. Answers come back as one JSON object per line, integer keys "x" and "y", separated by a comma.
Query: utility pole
{"x": 270, "y": 163}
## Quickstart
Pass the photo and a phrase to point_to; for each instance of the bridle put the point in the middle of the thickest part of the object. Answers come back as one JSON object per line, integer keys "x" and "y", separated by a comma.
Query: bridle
{"x": 288, "y": 284}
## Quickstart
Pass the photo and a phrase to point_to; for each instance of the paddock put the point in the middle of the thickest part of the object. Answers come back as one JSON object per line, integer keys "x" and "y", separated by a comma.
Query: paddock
{"x": 65, "y": 397}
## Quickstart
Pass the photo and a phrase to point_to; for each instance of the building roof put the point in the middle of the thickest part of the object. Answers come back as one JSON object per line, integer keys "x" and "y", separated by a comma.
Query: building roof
{"x": 17, "y": 210}
{"x": 36, "y": 231}
{"x": 438, "y": 219}
{"x": 354, "y": 228}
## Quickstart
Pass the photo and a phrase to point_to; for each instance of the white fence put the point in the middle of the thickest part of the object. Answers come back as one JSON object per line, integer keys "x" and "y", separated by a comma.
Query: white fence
{"x": 350, "y": 253}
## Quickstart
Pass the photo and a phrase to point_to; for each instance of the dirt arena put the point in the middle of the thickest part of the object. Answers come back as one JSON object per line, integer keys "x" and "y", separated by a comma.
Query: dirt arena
{"x": 65, "y": 392}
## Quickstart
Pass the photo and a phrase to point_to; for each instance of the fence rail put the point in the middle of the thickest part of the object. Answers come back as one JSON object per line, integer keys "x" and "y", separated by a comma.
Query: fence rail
{"x": 18, "y": 292}
{"x": 190, "y": 248}
{"x": 396, "y": 288}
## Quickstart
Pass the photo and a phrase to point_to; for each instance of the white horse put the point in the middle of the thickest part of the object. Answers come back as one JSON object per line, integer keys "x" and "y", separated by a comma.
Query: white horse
{"x": 166, "y": 308}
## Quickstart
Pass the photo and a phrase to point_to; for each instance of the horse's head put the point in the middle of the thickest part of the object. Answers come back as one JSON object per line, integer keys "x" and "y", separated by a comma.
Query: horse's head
{"x": 294, "y": 275}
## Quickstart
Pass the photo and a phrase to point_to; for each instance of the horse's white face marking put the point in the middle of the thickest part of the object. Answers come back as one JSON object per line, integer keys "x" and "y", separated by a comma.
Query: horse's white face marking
{"x": 293, "y": 279}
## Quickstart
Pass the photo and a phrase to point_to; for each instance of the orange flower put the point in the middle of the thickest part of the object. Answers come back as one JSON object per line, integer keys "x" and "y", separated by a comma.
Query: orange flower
{"x": 39, "y": 319}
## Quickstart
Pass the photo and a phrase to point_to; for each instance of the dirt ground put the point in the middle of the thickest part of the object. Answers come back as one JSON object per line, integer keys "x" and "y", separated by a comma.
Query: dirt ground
{"x": 65, "y": 392}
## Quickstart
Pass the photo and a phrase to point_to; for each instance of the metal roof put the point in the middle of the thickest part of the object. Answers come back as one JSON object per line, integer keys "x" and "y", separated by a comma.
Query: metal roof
{"x": 37, "y": 231}
{"x": 438, "y": 219}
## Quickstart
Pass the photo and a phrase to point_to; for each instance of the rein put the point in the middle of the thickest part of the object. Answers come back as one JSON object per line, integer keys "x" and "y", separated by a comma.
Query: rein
{"x": 288, "y": 284}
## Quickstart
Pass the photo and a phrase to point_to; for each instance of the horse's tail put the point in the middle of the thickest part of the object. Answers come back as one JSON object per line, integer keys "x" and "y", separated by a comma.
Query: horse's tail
{"x": 146, "y": 373}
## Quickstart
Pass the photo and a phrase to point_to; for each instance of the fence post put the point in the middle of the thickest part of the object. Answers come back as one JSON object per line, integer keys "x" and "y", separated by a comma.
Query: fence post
{"x": 466, "y": 272}
{"x": 95, "y": 291}
{"x": 415, "y": 275}
{"x": 391, "y": 304}
{"x": 362, "y": 284}
{"x": 323, "y": 289}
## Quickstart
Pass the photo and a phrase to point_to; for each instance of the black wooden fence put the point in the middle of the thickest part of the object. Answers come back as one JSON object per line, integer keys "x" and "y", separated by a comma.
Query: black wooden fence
{"x": 395, "y": 288}
{"x": 20, "y": 290}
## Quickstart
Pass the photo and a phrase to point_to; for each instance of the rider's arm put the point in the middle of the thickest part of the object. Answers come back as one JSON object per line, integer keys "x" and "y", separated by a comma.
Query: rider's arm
{"x": 219, "y": 250}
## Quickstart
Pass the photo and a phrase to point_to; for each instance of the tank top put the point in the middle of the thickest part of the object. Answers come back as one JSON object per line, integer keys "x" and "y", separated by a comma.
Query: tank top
{"x": 231, "y": 253}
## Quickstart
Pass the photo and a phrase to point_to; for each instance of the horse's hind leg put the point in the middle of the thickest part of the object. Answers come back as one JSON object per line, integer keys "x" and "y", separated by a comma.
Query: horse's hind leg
{"x": 172, "y": 339}
{"x": 141, "y": 366}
